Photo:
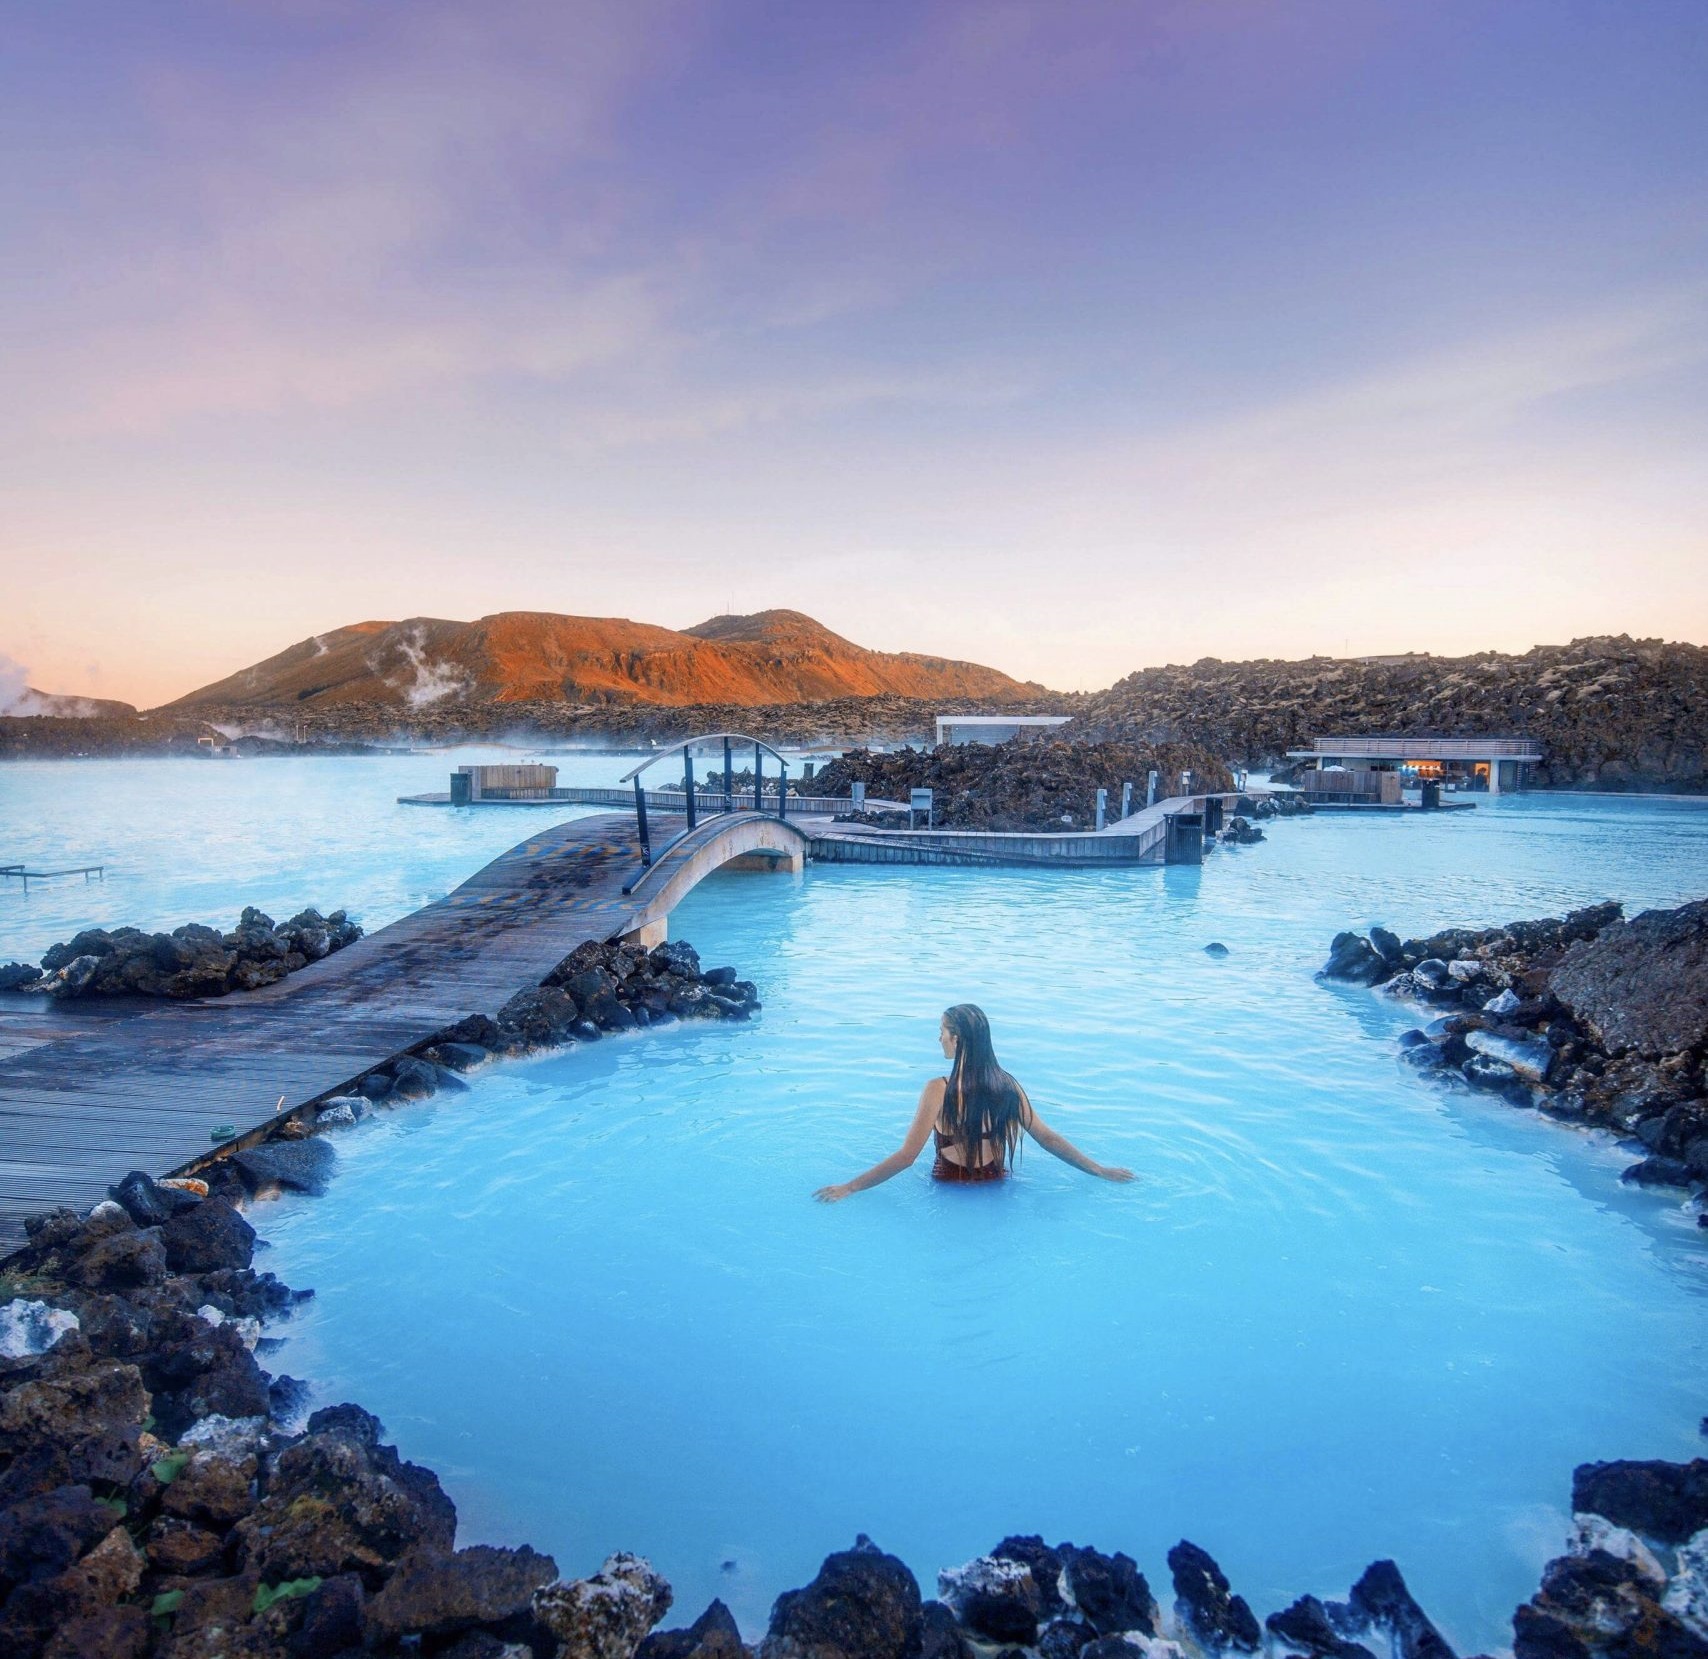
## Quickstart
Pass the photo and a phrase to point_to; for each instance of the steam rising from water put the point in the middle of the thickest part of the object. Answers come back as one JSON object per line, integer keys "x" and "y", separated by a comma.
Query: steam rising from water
{"x": 14, "y": 687}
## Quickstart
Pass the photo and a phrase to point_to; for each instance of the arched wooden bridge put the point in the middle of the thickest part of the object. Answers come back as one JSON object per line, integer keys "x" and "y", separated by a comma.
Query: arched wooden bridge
{"x": 89, "y": 1091}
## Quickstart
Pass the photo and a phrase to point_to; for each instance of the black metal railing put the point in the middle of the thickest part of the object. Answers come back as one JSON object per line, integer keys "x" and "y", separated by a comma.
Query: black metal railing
{"x": 694, "y": 805}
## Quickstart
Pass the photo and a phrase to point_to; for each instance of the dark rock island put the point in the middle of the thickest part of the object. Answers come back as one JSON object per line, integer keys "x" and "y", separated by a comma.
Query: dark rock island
{"x": 1589, "y": 1017}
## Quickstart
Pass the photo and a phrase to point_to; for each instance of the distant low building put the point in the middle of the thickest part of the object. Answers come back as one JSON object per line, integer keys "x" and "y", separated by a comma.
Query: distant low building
{"x": 1491, "y": 763}
{"x": 531, "y": 782}
{"x": 995, "y": 728}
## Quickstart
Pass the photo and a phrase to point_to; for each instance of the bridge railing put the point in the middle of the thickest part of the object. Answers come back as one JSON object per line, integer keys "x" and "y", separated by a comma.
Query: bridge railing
{"x": 727, "y": 801}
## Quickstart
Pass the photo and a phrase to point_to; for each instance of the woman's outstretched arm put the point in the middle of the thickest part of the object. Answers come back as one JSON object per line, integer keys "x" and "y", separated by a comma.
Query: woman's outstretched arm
{"x": 919, "y": 1132}
{"x": 1060, "y": 1146}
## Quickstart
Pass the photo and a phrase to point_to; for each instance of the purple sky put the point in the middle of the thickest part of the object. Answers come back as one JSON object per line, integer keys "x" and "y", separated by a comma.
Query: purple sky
{"x": 1067, "y": 336}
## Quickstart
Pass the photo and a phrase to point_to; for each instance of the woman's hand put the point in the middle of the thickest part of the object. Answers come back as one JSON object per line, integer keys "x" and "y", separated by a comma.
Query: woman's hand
{"x": 835, "y": 1194}
{"x": 1113, "y": 1172}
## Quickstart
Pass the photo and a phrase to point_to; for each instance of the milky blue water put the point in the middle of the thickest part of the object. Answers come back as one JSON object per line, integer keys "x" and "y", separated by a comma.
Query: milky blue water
{"x": 1343, "y": 1314}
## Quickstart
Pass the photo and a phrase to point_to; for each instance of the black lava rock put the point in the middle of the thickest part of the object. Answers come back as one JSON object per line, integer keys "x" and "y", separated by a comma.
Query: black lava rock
{"x": 1110, "y": 1592}
{"x": 1354, "y": 960}
{"x": 304, "y": 1166}
{"x": 1660, "y": 1172}
{"x": 1382, "y": 1597}
{"x": 211, "y": 1236}
{"x": 1305, "y": 1626}
{"x": 147, "y": 1203}
{"x": 1215, "y": 1616}
{"x": 1046, "y": 1564}
{"x": 863, "y": 1604}
{"x": 1667, "y": 1502}
{"x": 714, "y": 1635}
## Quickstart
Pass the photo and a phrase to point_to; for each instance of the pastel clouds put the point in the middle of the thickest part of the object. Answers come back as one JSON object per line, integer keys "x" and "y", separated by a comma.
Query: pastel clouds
{"x": 886, "y": 311}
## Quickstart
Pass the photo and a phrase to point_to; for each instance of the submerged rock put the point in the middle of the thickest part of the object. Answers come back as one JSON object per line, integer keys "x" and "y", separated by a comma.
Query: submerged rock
{"x": 1659, "y": 1172}
{"x": 1529, "y": 1057}
{"x": 1354, "y": 961}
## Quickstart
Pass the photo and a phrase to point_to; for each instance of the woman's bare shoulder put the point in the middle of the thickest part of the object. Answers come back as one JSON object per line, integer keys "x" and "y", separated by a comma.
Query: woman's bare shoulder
{"x": 935, "y": 1089}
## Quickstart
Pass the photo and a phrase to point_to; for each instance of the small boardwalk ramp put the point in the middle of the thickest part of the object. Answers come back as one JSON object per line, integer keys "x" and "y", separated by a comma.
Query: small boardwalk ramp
{"x": 91, "y": 1091}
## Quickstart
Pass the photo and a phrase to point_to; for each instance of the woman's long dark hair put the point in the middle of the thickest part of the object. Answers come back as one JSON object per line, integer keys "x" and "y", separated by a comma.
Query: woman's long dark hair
{"x": 982, "y": 1102}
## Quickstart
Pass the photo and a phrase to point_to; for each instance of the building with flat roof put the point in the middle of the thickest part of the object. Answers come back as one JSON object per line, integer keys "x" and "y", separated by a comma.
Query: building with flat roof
{"x": 995, "y": 728}
{"x": 1491, "y": 763}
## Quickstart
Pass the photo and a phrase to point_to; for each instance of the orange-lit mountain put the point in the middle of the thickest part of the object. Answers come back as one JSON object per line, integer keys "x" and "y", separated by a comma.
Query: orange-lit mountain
{"x": 535, "y": 656}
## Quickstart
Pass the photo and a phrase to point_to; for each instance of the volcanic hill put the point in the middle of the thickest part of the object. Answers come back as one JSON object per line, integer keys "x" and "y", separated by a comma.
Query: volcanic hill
{"x": 535, "y": 657}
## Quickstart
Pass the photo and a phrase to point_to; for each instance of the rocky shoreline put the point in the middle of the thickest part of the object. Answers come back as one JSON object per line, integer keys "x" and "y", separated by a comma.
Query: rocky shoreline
{"x": 1038, "y": 786}
{"x": 190, "y": 961}
{"x": 358, "y": 729}
{"x": 162, "y": 1497}
{"x": 1589, "y": 1017}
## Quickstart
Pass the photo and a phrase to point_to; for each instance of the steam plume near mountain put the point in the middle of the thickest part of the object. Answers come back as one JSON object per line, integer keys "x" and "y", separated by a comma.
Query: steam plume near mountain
{"x": 19, "y": 698}
{"x": 14, "y": 687}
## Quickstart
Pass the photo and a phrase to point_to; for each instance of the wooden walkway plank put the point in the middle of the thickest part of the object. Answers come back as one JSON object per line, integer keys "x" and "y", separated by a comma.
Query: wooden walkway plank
{"x": 88, "y": 1093}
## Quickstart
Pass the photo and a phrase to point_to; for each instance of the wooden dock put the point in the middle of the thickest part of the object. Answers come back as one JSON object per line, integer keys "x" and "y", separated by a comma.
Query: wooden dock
{"x": 92, "y": 1090}
{"x": 1139, "y": 839}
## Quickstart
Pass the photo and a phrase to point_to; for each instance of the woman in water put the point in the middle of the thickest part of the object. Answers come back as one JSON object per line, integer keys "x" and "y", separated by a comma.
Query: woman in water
{"x": 976, "y": 1115}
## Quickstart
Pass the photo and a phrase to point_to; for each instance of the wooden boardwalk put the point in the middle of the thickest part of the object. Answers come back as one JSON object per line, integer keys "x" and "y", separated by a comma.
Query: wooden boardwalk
{"x": 89, "y": 1091}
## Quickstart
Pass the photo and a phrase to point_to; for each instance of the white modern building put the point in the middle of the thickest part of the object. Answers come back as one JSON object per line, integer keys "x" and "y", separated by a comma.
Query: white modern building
{"x": 1491, "y": 763}
{"x": 995, "y": 728}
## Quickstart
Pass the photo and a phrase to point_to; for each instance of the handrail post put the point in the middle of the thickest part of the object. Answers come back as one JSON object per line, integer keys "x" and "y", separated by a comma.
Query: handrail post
{"x": 729, "y": 779}
{"x": 688, "y": 783}
{"x": 640, "y": 823}
{"x": 782, "y": 789}
{"x": 758, "y": 777}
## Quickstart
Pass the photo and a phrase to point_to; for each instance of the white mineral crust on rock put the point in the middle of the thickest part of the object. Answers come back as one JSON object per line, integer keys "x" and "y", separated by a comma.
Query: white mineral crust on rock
{"x": 606, "y": 1616}
{"x": 984, "y": 1575}
{"x": 233, "y": 1437}
{"x": 1595, "y": 1532}
{"x": 32, "y": 1327}
{"x": 1687, "y": 1595}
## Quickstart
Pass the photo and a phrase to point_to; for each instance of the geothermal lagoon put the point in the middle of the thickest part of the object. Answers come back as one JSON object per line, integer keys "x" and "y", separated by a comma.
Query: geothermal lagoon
{"x": 1344, "y": 1314}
